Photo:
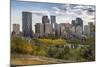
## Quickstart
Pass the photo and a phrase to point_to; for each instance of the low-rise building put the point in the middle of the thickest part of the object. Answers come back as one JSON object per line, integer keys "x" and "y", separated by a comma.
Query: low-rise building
{"x": 16, "y": 29}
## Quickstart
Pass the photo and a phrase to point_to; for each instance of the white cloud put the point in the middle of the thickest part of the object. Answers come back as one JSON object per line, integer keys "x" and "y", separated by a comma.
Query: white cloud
{"x": 64, "y": 13}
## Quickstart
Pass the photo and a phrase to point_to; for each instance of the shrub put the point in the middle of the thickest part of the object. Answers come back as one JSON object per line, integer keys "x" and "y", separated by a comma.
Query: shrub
{"x": 21, "y": 46}
{"x": 52, "y": 41}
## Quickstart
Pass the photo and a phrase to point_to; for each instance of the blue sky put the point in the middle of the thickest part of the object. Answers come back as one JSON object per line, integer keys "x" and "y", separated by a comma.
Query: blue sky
{"x": 64, "y": 13}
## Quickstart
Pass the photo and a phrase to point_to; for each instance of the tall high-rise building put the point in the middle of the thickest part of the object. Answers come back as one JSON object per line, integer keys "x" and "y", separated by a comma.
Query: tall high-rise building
{"x": 47, "y": 26}
{"x": 45, "y": 19}
{"x": 53, "y": 19}
{"x": 39, "y": 29}
{"x": 48, "y": 29}
{"x": 73, "y": 23}
{"x": 53, "y": 23}
{"x": 79, "y": 21}
{"x": 78, "y": 24}
{"x": 64, "y": 27}
{"x": 27, "y": 24}
{"x": 92, "y": 29}
{"x": 57, "y": 30}
{"x": 91, "y": 26}
{"x": 16, "y": 28}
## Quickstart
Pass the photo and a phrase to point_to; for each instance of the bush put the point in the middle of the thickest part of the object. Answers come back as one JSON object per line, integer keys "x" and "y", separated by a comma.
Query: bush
{"x": 58, "y": 52}
{"x": 51, "y": 41}
{"x": 39, "y": 51}
{"x": 21, "y": 46}
{"x": 88, "y": 53}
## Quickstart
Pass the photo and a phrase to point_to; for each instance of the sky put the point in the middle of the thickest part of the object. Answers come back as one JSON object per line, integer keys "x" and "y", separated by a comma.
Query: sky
{"x": 64, "y": 13}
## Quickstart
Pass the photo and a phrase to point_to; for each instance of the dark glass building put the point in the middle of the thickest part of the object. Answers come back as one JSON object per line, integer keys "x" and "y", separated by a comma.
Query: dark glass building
{"x": 27, "y": 24}
{"x": 73, "y": 23}
{"x": 45, "y": 19}
{"x": 79, "y": 21}
{"x": 53, "y": 21}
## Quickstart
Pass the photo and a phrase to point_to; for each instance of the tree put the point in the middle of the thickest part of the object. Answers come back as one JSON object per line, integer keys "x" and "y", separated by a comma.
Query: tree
{"x": 20, "y": 45}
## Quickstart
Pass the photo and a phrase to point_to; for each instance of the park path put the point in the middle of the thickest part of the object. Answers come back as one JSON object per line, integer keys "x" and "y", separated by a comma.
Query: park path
{"x": 35, "y": 60}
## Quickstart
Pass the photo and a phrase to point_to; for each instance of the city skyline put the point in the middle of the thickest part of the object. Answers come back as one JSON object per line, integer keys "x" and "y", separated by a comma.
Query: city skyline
{"x": 64, "y": 13}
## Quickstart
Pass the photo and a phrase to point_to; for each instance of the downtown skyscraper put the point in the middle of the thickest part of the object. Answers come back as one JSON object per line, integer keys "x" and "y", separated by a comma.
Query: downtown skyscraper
{"x": 27, "y": 24}
{"x": 53, "y": 21}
